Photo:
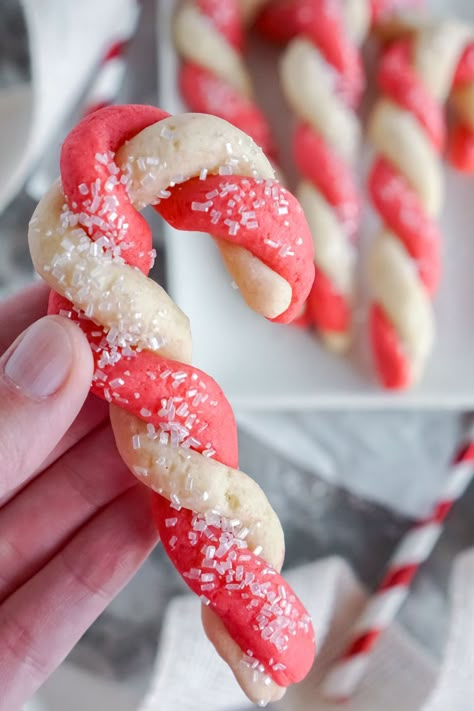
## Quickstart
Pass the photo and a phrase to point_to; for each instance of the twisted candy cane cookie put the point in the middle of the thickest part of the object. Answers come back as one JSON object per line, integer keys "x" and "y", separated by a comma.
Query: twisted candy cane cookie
{"x": 407, "y": 129}
{"x": 322, "y": 79}
{"x": 209, "y": 35}
{"x": 173, "y": 426}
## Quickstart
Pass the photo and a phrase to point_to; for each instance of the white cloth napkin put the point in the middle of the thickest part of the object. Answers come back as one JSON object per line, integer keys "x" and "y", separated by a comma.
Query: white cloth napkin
{"x": 66, "y": 43}
{"x": 190, "y": 676}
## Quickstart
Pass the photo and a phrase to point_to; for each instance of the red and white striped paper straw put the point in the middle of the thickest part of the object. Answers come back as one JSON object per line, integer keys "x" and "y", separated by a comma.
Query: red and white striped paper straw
{"x": 412, "y": 551}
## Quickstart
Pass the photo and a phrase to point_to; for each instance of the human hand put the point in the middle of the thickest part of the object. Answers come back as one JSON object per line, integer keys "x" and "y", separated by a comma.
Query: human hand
{"x": 74, "y": 525}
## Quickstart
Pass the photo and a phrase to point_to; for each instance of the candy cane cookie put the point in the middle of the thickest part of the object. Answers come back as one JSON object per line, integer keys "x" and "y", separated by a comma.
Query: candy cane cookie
{"x": 173, "y": 426}
{"x": 322, "y": 79}
{"x": 209, "y": 36}
{"x": 407, "y": 129}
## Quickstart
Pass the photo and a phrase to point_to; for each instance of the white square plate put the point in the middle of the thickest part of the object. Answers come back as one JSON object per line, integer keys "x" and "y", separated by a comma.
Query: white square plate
{"x": 264, "y": 365}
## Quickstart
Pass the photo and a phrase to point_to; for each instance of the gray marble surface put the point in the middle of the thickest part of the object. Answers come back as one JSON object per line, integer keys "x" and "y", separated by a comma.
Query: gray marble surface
{"x": 319, "y": 518}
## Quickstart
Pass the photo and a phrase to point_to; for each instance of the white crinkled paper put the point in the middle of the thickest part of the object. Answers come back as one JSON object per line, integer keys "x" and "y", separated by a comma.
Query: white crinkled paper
{"x": 190, "y": 676}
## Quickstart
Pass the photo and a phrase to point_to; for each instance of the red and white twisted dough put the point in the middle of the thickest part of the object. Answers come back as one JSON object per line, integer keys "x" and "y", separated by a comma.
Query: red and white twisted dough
{"x": 209, "y": 35}
{"x": 173, "y": 426}
{"x": 323, "y": 80}
{"x": 407, "y": 128}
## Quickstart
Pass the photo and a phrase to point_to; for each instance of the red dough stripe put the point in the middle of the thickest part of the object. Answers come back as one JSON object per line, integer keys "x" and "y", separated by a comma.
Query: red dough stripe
{"x": 325, "y": 27}
{"x": 84, "y": 166}
{"x": 328, "y": 309}
{"x": 225, "y": 16}
{"x": 465, "y": 69}
{"x": 207, "y": 93}
{"x": 461, "y": 149}
{"x": 390, "y": 361}
{"x": 398, "y": 80}
{"x": 404, "y": 215}
{"x": 320, "y": 165}
{"x": 461, "y": 144}
{"x": 182, "y": 406}
{"x": 255, "y": 603}
{"x": 252, "y": 214}
{"x": 322, "y": 22}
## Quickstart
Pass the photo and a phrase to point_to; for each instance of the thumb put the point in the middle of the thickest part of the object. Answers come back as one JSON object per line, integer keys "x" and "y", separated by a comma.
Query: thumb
{"x": 44, "y": 379}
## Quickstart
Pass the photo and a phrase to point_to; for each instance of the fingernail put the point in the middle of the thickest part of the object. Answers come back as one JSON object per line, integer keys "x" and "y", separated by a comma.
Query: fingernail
{"x": 42, "y": 360}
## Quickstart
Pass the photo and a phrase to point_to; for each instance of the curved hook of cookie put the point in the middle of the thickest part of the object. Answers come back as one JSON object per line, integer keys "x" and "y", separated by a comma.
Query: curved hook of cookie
{"x": 172, "y": 423}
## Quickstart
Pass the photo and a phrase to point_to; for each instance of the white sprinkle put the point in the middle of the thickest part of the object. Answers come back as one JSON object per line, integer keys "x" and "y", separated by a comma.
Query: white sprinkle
{"x": 151, "y": 431}
{"x": 173, "y": 541}
{"x": 83, "y": 189}
{"x": 201, "y": 206}
{"x": 166, "y": 133}
{"x": 180, "y": 375}
{"x": 210, "y": 552}
{"x": 136, "y": 444}
{"x": 271, "y": 243}
{"x": 257, "y": 550}
{"x": 194, "y": 574}
{"x": 169, "y": 522}
{"x": 286, "y": 251}
{"x": 207, "y": 577}
{"x": 175, "y": 502}
{"x": 204, "y": 600}
{"x": 101, "y": 158}
{"x": 203, "y": 174}
{"x": 183, "y": 409}
{"x": 208, "y": 586}
{"x": 144, "y": 412}
{"x": 140, "y": 471}
{"x": 116, "y": 382}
